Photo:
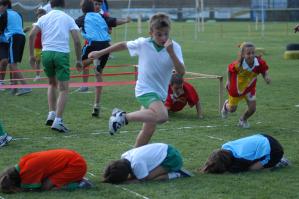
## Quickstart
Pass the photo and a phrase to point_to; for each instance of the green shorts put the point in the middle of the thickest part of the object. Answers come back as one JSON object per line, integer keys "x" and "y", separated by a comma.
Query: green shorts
{"x": 173, "y": 160}
{"x": 56, "y": 64}
{"x": 148, "y": 98}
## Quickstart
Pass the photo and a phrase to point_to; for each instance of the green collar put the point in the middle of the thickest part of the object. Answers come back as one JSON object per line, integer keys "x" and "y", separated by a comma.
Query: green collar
{"x": 57, "y": 8}
{"x": 157, "y": 46}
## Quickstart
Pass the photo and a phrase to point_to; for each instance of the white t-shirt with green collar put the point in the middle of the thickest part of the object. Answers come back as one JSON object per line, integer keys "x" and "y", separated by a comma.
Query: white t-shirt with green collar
{"x": 154, "y": 67}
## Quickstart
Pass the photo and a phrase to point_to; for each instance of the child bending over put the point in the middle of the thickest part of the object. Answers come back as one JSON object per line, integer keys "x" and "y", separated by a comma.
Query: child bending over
{"x": 46, "y": 170}
{"x": 255, "y": 152}
{"x": 156, "y": 161}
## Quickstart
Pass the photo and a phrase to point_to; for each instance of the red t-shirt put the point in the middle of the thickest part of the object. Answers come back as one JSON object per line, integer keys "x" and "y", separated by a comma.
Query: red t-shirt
{"x": 177, "y": 103}
{"x": 243, "y": 81}
{"x": 38, "y": 41}
{"x": 36, "y": 167}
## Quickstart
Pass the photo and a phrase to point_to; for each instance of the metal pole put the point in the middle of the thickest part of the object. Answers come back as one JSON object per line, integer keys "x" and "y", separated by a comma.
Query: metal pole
{"x": 126, "y": 25}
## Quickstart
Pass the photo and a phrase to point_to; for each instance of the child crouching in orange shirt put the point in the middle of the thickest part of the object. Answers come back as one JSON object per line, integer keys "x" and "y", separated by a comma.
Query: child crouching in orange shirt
{"x": 46, "y": 170}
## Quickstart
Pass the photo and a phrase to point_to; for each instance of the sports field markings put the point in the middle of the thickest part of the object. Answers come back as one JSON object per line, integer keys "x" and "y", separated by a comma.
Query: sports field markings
{"x": 1, "y": 197}
{"x": 132, "y": 192}
{"x": 97, "y": 132}
{"x": 93, "y": 175}
{"x": 297, "y": 105}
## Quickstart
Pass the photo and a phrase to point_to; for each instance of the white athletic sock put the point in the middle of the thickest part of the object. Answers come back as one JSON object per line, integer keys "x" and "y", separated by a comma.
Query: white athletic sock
{"x": 57, "y": 120}
{"x": 173, "y": 175}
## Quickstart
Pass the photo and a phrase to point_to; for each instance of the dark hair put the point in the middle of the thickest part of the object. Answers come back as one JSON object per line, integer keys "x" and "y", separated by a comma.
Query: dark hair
{"x": 218, "y": 162}
{"x": 117, "y": 171}
{"x": 5, "y": 3}
{"x": 87, "y": 6}
{"x": 40, "y": 11}
{"x": 9, "y": 180}
{"x": 57, "y": 3}
{"x": 176, "y": 79}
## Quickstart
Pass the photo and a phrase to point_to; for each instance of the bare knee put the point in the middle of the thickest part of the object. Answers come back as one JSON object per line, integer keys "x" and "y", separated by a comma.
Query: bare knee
{"x": 162, "y": 118}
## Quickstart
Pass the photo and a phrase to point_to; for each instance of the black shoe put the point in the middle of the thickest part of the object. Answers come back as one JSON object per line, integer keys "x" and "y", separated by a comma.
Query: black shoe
{"x": 95, "y": 112}
{"x": 49, "y": 122}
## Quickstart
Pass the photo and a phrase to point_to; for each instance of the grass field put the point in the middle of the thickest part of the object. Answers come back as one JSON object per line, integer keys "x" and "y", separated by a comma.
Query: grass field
{"x": 277, "y": 114}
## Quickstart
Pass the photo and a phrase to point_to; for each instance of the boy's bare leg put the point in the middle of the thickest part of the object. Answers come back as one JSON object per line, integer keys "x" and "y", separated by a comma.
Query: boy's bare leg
{"x": 156, "y": 113}
{"x": 85, "y": 72}
{"x": 52, "y": 95}
{"x": 3, "y": 67}
{"x": 99, "y": 89}
{"x": 159, "y": 173}
{"x": 145, "y": 134}
{"x": 17, "y": 75}
{"x": 63, "y": 87}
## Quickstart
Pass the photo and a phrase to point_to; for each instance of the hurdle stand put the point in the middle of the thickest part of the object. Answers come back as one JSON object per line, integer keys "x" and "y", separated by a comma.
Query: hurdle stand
{"x": 221, "y": 85}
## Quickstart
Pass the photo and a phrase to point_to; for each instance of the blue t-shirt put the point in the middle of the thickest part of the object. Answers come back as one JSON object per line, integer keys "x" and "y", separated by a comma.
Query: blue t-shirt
{"x": 249, "y": 150}
{"x": 94, "y": 27}
{"x": 14, "y": 24}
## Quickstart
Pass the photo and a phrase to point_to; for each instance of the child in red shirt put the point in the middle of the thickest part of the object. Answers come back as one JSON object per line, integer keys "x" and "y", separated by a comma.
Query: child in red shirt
{"x": 46, "y": 170}
{"x": 180, "y": 93}
{"x": 241, "y": 82}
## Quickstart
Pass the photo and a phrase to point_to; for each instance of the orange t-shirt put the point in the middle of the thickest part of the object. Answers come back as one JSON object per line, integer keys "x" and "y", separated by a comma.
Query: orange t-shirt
{"x": 61, "y": 166}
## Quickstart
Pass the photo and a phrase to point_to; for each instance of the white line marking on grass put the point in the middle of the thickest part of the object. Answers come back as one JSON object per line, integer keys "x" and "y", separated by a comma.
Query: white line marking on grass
{"x": 216, "y": 138}
{"x": 1, "y": 197}
{"x": 297, "y": 105}
{"x": 91, "y": 174}
{"x": 133, "y": 192}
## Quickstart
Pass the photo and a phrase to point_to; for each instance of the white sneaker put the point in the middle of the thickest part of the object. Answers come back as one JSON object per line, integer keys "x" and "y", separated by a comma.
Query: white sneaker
{"x": 224, "y": 112}
{"x": 117, "y": 120}
{"x": 23, "y": 91}
{"x": 5, "y": 139}
{"x": 37, "y": 77}
{"x": 244, "y": 124}
{"x": 50, "y": 119}
{"x": 59, "y": 126}
{"x": 82, "y": 89}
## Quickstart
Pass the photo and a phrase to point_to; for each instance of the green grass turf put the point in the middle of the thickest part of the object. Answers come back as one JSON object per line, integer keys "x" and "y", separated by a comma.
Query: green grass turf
{"x": 23, "y": 117}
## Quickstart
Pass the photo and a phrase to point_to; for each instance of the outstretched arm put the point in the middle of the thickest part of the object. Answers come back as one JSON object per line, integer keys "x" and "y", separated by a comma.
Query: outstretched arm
{"x": 114, "y": 48}
{"x": 120, "y": 21}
